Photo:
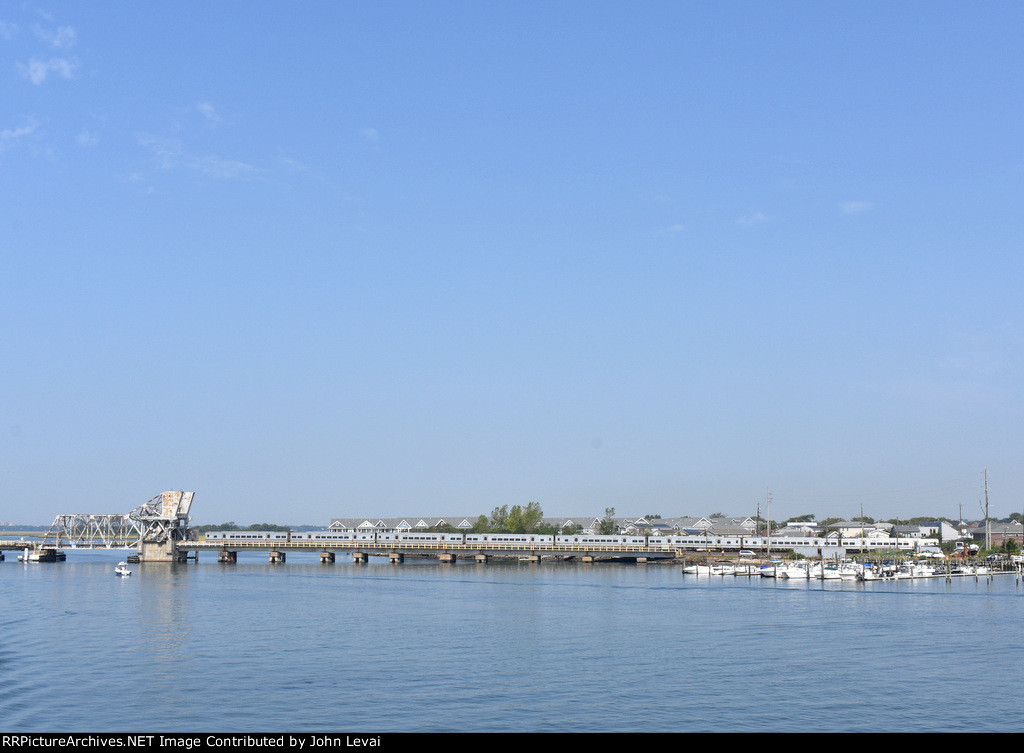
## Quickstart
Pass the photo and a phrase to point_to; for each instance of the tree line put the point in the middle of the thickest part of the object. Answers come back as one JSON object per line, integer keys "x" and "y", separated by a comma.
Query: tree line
{"x": 528, "y": 519}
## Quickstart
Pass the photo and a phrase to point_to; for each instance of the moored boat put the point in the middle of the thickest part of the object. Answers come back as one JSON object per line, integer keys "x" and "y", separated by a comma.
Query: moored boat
{"x": 794, "y": 571}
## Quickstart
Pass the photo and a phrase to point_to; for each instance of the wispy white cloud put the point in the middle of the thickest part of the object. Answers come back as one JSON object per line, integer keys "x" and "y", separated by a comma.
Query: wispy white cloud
{"x": 855, "y": 207}
{"x": 207, "y": 111}
{"x": 10, "y": 136}
{"x": 37, "y": 71}
{"x": 7, "y": 29}
{"x": 169, "y": 154}
{"x": 166, "y": 151}
{"x": 293, "y": 164}
{"x": 87, "y": 138}
{"x": 218, "y": 167}
{"x": 370, "y": 134}
{"x": 62, "y": 38}
{"x": 753, "y": 219}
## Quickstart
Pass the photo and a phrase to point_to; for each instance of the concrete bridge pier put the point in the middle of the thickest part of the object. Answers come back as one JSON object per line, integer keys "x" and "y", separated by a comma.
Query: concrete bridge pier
{"x": 533, "y": 559}
{"x": 326, "y": 558}
{"x": 277, "y": 558}
{"x": 449, "y": 557}
{"x": 396, "y": 558}
{"x": 588, "y": 558}
{"x": 360, "y": 558}
{"x": 226, "y": 556}
{"x": 481, "y": 559}
{"x": 160, "y": 551}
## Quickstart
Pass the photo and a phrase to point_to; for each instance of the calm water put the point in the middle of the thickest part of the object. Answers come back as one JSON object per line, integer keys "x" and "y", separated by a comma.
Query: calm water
{"x": 424, "y": 647}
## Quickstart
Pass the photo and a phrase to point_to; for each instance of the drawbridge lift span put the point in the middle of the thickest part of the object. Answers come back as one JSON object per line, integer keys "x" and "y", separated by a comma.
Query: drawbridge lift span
{"x": 153, "y": 529}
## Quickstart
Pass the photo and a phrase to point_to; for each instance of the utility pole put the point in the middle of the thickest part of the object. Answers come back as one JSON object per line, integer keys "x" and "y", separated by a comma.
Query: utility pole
{"x": 757, "y": 520}
{"x": 988, "y": 529}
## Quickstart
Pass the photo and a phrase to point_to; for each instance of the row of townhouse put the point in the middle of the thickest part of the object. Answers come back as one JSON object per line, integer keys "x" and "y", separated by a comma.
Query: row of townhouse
{"x": 998, "y": 532}
{"x": 588, "y": 524}
{"x": 858, "y": 529}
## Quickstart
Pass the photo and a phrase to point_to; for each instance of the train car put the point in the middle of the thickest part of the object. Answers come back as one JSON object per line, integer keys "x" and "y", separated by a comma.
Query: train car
{"x": 509, "y": 538}
{"x": 328, "y": 536}
{"x": 419, "y": 538}
{"x": 599, "y": 540}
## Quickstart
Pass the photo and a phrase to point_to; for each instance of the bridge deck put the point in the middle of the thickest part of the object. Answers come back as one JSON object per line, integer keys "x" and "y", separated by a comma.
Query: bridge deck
{"x": 428, "y": 548}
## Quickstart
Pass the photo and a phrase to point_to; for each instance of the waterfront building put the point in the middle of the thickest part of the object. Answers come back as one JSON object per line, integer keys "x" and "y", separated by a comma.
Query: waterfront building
{"x": 859, "y": 529}
{"x": 400, "y": 525}
{"x": 999, "y": 532}
{"x": 945, "y": 531}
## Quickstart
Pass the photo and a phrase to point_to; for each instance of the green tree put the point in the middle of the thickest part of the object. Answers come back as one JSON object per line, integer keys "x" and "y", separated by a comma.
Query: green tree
{"x": 229, "y": 526}
{"x": 515, "y": 519}
{"x": 608, "y": 524}
{"x": 524, "y": 519}
{"x": 533, "y": 517}
{"x": 802, "y": 518}
{"x": 515, "y": 523}
{"x": 499, "y": 519}
{"x": 267, "y": 527}
{"x": 443, "y": 528}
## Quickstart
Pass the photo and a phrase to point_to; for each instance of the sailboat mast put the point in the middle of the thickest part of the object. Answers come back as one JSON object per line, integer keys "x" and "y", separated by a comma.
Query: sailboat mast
{"x": 988, "y": 528}
{"x": 757, "y": 518}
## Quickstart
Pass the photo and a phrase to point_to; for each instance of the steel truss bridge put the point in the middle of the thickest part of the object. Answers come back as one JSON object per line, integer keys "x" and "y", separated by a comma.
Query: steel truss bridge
{"x": 161, "y": 520}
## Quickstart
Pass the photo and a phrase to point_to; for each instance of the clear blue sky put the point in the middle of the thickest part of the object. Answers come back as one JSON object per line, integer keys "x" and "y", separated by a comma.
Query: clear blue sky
{"x": 331, "y": 259}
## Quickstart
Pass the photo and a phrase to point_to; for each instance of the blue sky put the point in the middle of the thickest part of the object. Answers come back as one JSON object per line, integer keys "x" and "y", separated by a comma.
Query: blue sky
{"x": 330, "y": 259}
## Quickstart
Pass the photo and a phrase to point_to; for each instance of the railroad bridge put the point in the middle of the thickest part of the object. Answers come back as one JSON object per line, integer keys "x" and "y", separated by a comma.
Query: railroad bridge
{"x": 445, "y": 551}
{"x": 159, "y": 532}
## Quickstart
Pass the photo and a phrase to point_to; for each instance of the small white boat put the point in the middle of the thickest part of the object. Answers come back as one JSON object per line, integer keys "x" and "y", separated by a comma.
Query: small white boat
{"x": 697, "y": 569}
{"x": 819, "y": 571}
{"x": 878, "y": 572}
{"x": 850, "y": 571}
{"x": 794, "y": 571}
{"x": 915, "y": 570}
{"x": 771, "y": 569}
{"x": 122, "y": 569}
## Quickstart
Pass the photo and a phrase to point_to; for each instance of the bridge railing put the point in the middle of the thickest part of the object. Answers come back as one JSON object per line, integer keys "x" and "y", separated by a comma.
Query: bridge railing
{"x": 388, "y": 546}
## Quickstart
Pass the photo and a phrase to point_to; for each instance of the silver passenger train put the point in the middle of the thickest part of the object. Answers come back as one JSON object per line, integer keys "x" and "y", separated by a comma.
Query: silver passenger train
{"x": 689, "y": 542}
